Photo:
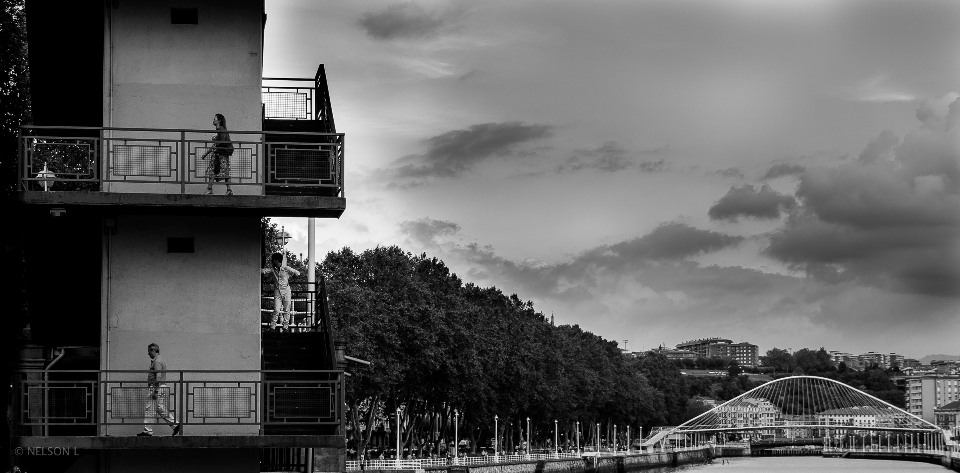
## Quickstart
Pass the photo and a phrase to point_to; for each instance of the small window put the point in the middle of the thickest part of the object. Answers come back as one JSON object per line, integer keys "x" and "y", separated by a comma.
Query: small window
{"x": 183, "y": 16}
{"x": 179, "y": 245}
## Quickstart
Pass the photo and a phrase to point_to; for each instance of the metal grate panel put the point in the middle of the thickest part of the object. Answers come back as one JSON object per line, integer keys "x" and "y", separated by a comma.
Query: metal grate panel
{"x": 57, "y": 402}
{"x": 291, "y": 105}
{"x": 303, "y": 402}
{"x": 293, "y": 163}
{"x": 241, "y": 163}
{"x": 132, "y": 402}
{"x": 221, "y": 402}
{"x": 141, "y": 160}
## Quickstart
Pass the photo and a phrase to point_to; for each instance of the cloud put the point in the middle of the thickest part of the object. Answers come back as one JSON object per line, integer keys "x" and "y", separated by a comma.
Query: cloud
{"x": 879, "y": 89}
{"x": 584, "y": 276}
{"x": 669, "y": 242}
{"x": 748, "y": 201}
{"x": 880, "y": 148}
{"x": 890, "y": 219}
{"x": 783, "y": 169}
{"x": 610, "y": 157}
{"x": 731, "y": 172}
{"x": 426, "y": 231}
{"x": 455, "y": 152}
{"x": 402, "y": 21}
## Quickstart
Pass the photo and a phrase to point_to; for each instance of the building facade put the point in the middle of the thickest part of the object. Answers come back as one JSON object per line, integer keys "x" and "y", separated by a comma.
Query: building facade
{"x": 745, "y": 354}
{"x": 112, "y": 177}
{"x": 925, "y": 393}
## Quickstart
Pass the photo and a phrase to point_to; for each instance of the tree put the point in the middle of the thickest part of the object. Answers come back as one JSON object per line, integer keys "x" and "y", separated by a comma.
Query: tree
{"x": 781, "y": 360}
{"x": 14, "y": 111}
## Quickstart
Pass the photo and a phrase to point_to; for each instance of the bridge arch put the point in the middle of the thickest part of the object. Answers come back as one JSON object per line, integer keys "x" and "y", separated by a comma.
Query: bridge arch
{"x": 810, "y": 404}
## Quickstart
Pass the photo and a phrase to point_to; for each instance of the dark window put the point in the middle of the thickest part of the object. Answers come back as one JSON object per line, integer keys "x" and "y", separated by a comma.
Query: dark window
{"x": 183, "y": 16}
{"x": 179, "y": 245}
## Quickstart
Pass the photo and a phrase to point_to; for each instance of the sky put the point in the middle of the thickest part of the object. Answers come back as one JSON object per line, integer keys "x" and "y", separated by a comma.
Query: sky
{"x": 784, "y": 173}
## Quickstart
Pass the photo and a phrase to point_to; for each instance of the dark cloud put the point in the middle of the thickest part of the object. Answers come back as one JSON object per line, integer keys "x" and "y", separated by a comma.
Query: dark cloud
{"x": 880, "y": 148}
{"x": 783, "y": 169}
{"x": 891, "y": 223}
{"x": 610, "y": 157}
{"x": 731, "y": 172}
{"x": 452, "y": 153}
{"x": 401, "y": 21}
{"x": 425, "y": 231}
{"x": 748, "y": 201}
{"x": 671, "y": 242}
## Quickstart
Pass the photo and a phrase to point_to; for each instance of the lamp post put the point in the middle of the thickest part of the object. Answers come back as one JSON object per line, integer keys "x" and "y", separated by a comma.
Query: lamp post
{"x": 578, "y": 437}
{"x": 598, "y": 439}
{"x": 398, "y": 438}
{"x": 281, "y": 238}
{"x": 456, "y": 438}
{"x": 556, "y": 439}
{"x": 496, "y": 440}
{"x": 628, "y": 439}
{"x": 614, "y": 438}
{"x": 529, "y": 449}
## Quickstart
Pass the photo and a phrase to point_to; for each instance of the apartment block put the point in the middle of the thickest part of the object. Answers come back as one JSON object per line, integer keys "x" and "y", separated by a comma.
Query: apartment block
{"x": 127, "y": 248}
{"x": 926, "y": 393}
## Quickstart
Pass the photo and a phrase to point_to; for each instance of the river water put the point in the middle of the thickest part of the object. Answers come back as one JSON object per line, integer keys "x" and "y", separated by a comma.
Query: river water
{"x": 811, "y": 464}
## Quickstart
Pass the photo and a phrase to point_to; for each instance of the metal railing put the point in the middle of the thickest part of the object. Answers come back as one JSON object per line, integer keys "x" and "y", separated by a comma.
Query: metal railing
{"x": 176, "y": 161}
{"x": 84, "y": 402}
{"x": 309, "y": 311}
{"x": 296, "y": 98}
{"x": 421, "y": 463}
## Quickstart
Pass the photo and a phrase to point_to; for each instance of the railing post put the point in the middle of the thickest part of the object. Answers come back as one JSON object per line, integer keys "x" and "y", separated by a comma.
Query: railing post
{"x": 103, "y": 160}
{"x": 184, "y": 171}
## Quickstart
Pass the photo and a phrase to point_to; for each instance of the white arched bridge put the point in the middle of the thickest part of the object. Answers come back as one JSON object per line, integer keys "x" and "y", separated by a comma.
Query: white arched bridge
{"x": 802, "y": 409}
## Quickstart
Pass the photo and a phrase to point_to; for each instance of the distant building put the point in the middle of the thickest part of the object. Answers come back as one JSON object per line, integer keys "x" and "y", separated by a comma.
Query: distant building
{"x": 849, "y": 416}
{"x": 745, "y": 354}
{"x": 704, "y": 347}
{"x": 910, "y": 363}
{"x": 927, "y": 392}
{"x": 749, "y": 413}
{"x": 948, "y": 416}
{"x": 871, "y": 357}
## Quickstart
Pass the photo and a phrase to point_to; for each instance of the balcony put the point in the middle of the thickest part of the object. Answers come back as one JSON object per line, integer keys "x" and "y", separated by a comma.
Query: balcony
{"x": 293, "y": 166}
{"x": 222, "y": 409}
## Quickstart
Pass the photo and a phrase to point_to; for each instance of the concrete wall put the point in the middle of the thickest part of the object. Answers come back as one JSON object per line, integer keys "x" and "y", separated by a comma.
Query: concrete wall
{"x": 617, "y": 464}
{"x": 162, "y": 75}
{"x": 202, "y": 308}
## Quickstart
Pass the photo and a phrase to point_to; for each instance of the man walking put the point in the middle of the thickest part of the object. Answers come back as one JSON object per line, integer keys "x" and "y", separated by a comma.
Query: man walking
{"x": 159, "y": 393}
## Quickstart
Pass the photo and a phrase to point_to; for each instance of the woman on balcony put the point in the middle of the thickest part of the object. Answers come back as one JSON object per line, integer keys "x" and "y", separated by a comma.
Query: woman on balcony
{"x": 281, "y": 288}
{"x": 218, "y": 168}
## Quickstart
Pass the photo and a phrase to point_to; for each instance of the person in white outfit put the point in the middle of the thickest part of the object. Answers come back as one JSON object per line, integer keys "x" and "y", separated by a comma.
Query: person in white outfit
{"x": 281, "y": 289}
{"x": 156, "y": 407}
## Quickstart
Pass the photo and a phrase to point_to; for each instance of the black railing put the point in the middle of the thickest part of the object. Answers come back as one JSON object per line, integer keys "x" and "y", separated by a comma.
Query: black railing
{"x": 175, "y": 161}
{"x": 309, "y": 309}
{"x": 90, "y": 402}
{"x": 298, "y": 98}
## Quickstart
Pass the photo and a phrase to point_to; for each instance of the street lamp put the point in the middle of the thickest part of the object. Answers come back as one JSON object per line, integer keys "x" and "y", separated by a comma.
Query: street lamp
{"x": 496, "y": 440}
{"x": 456, "y": 438}
{"x": 529, "y": 447}
{"x": 281, "y": 238}
{"x": 578, "y": 437}
{"x": 614, "y": 438}
{"x": 628, "y": 439}
{"x": 398, "y": 437}
{"x": 598, "y": 439}
{"x": 556, "y": 439}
